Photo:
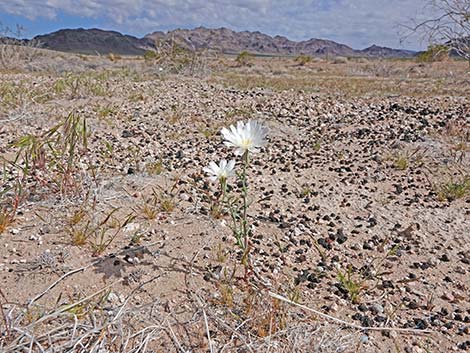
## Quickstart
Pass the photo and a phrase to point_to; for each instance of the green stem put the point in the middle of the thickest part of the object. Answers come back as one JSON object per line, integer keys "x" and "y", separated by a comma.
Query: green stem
{"x": 223, "y": 187}
{"x": 245, "y": 228}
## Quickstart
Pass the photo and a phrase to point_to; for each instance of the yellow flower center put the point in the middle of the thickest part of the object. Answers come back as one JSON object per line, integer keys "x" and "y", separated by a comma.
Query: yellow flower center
{"x": 246, "y": 143}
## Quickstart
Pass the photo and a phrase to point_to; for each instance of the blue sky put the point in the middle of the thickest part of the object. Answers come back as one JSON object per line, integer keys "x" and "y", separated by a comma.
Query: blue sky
{"x": 358, "y": 23}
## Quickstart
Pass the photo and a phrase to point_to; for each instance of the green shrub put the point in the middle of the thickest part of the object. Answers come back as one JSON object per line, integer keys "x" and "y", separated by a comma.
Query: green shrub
{"x": 150, "y": 55}
{"x": 434, "y": 53}
{"x": 244, "y": 58}
{"x": 302, "y": 59}
{"x": 454, "y": 190}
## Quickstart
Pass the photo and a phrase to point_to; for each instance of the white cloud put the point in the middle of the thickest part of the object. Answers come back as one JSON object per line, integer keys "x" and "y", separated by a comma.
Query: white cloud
{"x": 358, "y": 23}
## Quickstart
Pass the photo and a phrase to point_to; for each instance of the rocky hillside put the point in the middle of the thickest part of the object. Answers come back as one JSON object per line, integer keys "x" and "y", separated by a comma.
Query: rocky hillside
{"x": 92, "y": 41}
{"x": 384, "y": 52}
{"x": 229, "y": 41}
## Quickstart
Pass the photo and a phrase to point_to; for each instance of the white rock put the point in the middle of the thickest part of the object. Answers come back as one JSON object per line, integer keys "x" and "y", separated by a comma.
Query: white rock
{"x": 131, "y": 227}
{"x": 113, "y": 298}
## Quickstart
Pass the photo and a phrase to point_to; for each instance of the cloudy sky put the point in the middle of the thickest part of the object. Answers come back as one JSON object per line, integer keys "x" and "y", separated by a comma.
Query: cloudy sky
{"x": 358, "y": 23}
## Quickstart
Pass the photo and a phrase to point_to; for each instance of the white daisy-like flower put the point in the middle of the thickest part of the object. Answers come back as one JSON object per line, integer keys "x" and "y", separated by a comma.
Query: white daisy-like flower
{"x": 220, "y": 172}
{"x": 245, "y": 136}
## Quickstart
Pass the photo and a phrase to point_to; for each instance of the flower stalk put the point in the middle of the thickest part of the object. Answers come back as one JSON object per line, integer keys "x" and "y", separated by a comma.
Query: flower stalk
{"x": 245, "y": 227}
{"x": 244, "y": 138}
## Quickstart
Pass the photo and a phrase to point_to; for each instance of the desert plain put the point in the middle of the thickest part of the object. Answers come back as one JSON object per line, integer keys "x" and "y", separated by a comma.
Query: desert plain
{"x": 113, "y": 239}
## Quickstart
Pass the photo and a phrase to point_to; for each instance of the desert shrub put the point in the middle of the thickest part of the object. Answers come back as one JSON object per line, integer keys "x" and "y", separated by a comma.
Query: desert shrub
{"x": 114, "y": 57}
{"x": 434, "y": 53}
{"x": 171, "y": 57}
{"x": 302, "y": 59}
{"x": 150, "y": 55}
{"x": 14, "y": 51}
{"x": 454, "y": 190}
{"x": 244, "y": 58}
{"x": 340, "y": 60}
{"x": 52, "y": 159}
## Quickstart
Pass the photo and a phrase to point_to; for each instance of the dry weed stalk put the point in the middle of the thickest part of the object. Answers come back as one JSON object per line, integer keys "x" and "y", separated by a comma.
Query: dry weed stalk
{"x": 14, "y": 51}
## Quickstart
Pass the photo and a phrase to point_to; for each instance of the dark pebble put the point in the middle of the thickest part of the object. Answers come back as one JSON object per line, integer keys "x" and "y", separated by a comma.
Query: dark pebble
{"x": 444, "y": 258}
{"x": 324, "y": 243}
{"x": 127, "y": 134}
{"x": 362, "y": 307}
{"x": 420, "y": 324}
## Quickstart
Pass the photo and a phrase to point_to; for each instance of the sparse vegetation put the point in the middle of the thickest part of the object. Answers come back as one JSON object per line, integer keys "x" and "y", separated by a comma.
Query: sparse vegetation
{"x": 352, "y": 286}
{"x": 401, "y": 163}
{"x": 155, "y": 168}
{"x": 446, "y": 23}
{"x": 15, "y": 52}
{"x": 150, "y": 55}
{"x": 303, "y": 60}
{"x": 434, "y": 53}
{"x": 86, "y": 227}
{"x": 454, "y": 190}
{"x": 113, "y": 238}
{"x": 244, "y": 58}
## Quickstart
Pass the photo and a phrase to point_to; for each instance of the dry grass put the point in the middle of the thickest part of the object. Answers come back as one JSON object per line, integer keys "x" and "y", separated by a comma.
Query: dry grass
{"x": 354, "y": 78}
{"x": 222, "y": 310}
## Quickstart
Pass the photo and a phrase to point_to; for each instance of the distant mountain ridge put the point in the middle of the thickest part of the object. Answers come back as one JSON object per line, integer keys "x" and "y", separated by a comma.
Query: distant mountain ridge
{"x": 92, "y": 41}
{"x": 224, "y": 40}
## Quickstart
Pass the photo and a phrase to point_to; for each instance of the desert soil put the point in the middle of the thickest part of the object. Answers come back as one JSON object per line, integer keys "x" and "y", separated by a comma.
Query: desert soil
{"x": 361, "y": 212}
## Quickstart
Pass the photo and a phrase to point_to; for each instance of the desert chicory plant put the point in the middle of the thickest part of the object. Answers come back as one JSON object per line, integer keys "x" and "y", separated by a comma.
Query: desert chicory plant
{"x": 221, "y": 172}
{"x": 246, "y": 138}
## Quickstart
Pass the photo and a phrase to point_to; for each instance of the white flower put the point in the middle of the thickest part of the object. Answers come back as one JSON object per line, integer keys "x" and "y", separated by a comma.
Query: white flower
{"x": 245, "y": 137}
{"x": 221, "y": 172}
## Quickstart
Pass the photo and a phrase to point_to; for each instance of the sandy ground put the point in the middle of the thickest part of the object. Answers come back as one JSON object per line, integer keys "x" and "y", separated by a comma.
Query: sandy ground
{"x": 361, "y": 212}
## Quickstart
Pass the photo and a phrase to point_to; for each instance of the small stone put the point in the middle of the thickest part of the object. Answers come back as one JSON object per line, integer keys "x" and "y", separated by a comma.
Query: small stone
{"x": 324, "y": 243}
{"x": 420, "y": 324}
{"x": 184, "y": 197}
{"x": 377, "y": 308}
{"x": 131, "y": 227}
{"x": 362, "y": 307}
{"x": 444, "y": 258}
{"x": 448, "y": 296}
{"x": 340, "y": 237}
{"x": 113, "y": 298}
{"x": 126, "y": 134}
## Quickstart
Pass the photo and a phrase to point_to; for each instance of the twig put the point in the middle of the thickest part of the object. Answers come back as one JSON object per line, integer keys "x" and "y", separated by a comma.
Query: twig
{"x": 207, "y": 330}
{"x": 121, "y": 309}
{"x": 175, "y": 339}
{"x": 349, "y": 324}
{"x": 7, "y": 329}
{"x": 33, "y": 340}
{"x": 234, "y": 331}
{"x": 40, "y": 295}
{"x": 70, "y": 306}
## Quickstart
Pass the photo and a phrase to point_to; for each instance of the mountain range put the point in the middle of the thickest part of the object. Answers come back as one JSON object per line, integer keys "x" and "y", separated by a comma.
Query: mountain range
{"x": 224, "y": 40}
